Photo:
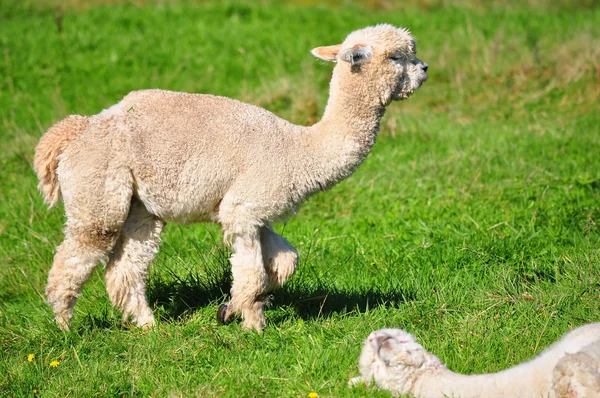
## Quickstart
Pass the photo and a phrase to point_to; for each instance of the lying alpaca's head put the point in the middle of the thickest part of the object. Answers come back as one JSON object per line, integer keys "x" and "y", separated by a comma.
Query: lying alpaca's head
{"x": 385, "y": 56}
{"x": 394, "y": 360}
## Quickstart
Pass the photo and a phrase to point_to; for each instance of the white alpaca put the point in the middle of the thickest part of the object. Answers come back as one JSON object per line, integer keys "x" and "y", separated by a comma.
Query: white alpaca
{"x": 567, "y": 369}
{"x": 160, "y": 155}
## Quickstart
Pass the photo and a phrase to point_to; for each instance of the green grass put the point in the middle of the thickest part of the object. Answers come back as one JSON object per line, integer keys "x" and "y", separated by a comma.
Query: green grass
{"x": 473, "y": 224}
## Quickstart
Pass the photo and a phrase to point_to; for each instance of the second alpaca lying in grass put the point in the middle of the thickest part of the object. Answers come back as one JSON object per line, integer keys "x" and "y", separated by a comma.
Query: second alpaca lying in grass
{"x": 570, "y": 368}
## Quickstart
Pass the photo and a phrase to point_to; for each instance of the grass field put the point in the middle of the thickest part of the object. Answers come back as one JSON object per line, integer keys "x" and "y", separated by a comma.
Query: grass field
{"x": 474, "y": 224}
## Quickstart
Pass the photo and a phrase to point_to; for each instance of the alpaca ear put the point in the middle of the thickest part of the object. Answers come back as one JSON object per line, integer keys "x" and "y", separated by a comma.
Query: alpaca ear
{"x": 411, "y": 357}
{"x": 327, "y": 53}
{"x": 401, "y": 352}
{"x": 357, "y": 55}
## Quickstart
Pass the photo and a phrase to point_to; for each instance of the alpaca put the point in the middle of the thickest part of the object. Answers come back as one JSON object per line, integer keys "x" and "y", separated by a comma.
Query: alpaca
{"x": 161, "y": 156}
{"x": 569, "y": 368}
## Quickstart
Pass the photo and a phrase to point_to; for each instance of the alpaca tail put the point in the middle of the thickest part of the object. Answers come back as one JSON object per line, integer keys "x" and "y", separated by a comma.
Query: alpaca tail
{"x": 51, "y": 145}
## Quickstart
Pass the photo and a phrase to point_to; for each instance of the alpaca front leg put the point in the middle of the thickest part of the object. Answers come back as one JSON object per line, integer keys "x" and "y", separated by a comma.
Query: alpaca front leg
{"x": 279, "y": 257}
{"x": 249, "y": 283}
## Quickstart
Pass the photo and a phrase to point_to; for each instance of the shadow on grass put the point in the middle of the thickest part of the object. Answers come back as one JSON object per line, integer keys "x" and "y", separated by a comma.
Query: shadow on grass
{"x": 102, "y": 320}
{"x": 324, "y": 301}
{"x": 175, "y": 299}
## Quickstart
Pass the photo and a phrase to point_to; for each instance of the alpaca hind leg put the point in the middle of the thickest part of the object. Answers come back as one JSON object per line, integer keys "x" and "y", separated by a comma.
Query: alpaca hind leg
{"x": 249, "y": 283}
{"x": 279, "y": 257}
{"x": 80, "y": 252}
{"x": 96, "y": 191}
{"x": 127, "y": 269}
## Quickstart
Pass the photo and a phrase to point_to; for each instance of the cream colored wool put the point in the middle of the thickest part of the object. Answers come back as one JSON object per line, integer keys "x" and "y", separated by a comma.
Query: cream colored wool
{"x": 394, "y": 361}
{"x": 168, "y": 156}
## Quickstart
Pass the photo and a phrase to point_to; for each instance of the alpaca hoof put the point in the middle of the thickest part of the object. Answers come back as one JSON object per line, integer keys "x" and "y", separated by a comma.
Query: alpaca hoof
{"x": 146, "y": 324}
{"x": 257, "y": 325}
{"x": 222, "y": 316}
{"x": 356, "y": 381}
{"x": 63, "y": 324}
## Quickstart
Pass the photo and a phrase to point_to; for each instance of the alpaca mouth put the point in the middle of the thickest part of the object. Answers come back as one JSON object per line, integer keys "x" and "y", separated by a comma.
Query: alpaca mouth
{"x": 405, "y": 91}
{"x": 416, "y": 84}
{"x": 422, "y": 78}
{"x": 410, "y": 86}
{"x": 404, "y": 94}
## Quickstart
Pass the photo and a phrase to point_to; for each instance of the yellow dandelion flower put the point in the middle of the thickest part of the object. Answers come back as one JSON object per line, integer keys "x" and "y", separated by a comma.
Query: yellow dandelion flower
{"x": 313, "y": 395}
{"x": 35, "y": 391}
{"x": 54, "y": 364}
{"x": 30, "y": 357}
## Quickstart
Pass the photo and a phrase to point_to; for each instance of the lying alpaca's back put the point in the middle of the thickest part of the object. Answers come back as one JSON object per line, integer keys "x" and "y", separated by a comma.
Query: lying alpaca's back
{"x": 539, "y": 373}
{"x": 576, "y": 340}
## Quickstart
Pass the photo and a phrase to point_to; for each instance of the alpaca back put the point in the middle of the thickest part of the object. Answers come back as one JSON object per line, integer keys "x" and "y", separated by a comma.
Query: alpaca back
{"x": 538, "y": 373}
{"x": 186, "y": 151}
{"x": 576, "y": 340}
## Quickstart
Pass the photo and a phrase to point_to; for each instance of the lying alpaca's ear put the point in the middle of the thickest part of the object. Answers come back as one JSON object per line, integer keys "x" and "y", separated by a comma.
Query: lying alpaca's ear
{"x": 357, "y": 55}
{"x": 401, "y": 350}
{"x": 327, "y": 53}
{"x": 410, "y": 357}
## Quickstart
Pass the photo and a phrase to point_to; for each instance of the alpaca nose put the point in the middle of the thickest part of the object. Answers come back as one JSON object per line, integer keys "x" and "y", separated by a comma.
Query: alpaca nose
{"x": 425, "y": 67}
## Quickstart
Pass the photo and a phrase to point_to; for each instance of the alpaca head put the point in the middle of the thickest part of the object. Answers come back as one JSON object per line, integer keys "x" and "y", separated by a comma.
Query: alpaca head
{"x": 578, "y": 374}
{"x": 394, "y": 360}
{"x": 382, "y": 56}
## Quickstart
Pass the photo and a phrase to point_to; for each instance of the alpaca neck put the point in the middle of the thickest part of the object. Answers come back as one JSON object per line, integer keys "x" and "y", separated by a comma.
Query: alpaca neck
{"x": 354, "y": 108}
{"x": 343, "y": 138}
{"x": 515, "y": 382}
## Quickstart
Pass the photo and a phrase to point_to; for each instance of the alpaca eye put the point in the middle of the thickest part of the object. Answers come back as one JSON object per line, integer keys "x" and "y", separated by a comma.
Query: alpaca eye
{"x": 395, "y": 57}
